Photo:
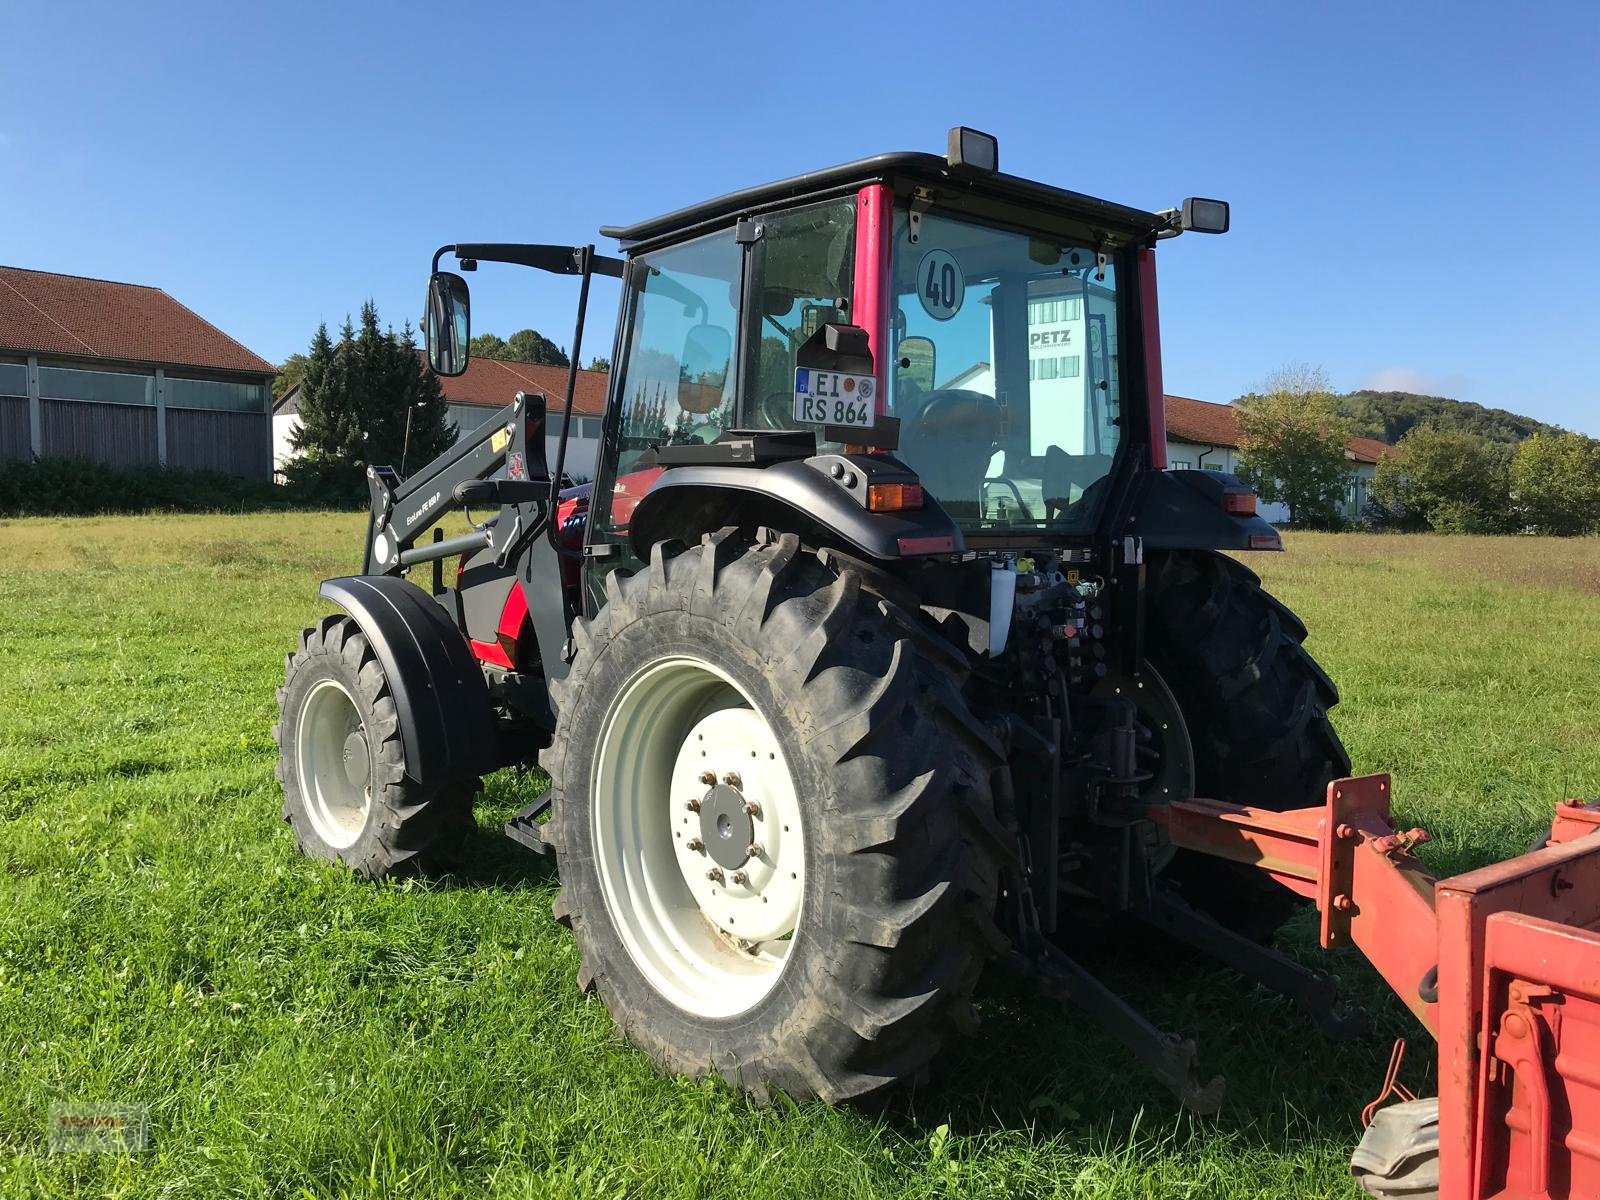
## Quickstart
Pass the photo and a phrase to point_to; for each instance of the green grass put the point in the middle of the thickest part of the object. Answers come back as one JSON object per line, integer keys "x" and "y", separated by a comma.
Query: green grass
{"x": 296, "y": 1033}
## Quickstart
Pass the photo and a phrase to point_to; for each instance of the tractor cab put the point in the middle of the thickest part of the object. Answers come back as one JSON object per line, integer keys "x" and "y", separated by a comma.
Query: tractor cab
{"x": 993, "y": 337}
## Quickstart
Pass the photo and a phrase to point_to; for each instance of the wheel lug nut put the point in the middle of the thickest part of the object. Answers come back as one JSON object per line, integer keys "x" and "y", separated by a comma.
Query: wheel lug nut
{"x": 732, "y": 779}
{"x": 692, "y": 804}
{"x": 715, "y": 875}
{"x": 755, "y": 850}
{"x": 752, "y": 809}
{"x": 695, "y": 844}
{"x": 708, "y": 777}
{"x": 742, "y": 878}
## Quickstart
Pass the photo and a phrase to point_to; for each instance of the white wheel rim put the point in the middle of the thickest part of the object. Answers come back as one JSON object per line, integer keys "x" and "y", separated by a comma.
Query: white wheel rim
{"x": 334, "y": 763}
{"x": 713, "y": 947}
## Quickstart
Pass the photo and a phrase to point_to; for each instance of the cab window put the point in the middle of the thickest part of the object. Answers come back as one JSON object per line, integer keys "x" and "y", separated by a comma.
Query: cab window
{"x": 1007, "y": 377}
{"x": 801, "y": 271}
{"x": 677, "y": 375}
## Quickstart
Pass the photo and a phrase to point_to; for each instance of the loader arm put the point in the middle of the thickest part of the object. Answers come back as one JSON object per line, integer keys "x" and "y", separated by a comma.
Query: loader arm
{"x": 1501, "y": 965}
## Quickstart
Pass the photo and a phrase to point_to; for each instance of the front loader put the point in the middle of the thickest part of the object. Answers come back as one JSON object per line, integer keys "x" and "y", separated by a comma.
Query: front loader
{"x": 884, "y": 647}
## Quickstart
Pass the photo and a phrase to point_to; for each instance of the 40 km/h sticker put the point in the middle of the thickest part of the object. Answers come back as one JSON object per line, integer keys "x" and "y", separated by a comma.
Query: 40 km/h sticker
{"x": 940, "y": 286}
{"x": 834, "y": 398}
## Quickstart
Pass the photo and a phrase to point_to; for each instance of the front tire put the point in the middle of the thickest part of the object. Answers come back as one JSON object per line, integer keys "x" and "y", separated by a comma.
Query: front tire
{"x": 838, "y": 963}
{"x": 346, "y": 793}
{"x": 1256, "y": 706}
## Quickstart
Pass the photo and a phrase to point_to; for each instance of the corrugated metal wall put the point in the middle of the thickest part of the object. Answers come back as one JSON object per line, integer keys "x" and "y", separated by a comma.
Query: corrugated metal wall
{"x": 15, "y": 439}
{"x": 119, "y": 435}
{"x": 238, "y": 443}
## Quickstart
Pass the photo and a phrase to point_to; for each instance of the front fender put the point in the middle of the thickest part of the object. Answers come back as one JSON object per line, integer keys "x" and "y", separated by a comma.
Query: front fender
{"x": 447, "y": 724}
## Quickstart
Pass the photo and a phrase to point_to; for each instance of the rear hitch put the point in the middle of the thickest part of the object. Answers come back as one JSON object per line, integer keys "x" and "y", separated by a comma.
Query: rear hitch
{"x": 1315, "y": 992}
{"x": 1170, "y": 1057}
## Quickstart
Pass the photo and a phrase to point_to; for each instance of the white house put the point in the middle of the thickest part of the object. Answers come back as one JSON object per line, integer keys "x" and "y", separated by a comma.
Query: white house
{"x": 487, "y": 385}
{"x": 1205, "y": 436}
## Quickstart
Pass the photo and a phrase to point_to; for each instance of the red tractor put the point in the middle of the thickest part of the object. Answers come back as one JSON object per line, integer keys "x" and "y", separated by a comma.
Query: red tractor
{"x": 885, "y": 646}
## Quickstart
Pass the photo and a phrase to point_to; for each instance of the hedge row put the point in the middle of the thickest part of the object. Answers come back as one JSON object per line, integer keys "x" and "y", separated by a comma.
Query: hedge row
{"x": 72, "y": 487}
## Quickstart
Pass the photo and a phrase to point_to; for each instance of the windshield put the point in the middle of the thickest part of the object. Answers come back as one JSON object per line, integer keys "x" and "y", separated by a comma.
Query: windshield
{"x": 1006, "y": 378}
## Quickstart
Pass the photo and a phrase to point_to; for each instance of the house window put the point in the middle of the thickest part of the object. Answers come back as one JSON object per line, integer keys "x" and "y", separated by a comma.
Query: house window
{"x": 104, "y": 387}
{"x": 1213, "y": 466}
{"x": 591, "y": 428}
{"x": 13, "y": 379}
{"x": 215, "y": 396}
{"x": 1182, "y": 464}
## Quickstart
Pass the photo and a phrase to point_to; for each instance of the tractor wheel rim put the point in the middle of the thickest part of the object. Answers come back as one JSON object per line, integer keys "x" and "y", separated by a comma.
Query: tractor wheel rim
{"x": 334, "y": 761}
{"x": 689, "y": 779}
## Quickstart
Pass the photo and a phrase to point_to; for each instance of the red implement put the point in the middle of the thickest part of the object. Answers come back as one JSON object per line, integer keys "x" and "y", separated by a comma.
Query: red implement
{"x": 1501, "y": 964}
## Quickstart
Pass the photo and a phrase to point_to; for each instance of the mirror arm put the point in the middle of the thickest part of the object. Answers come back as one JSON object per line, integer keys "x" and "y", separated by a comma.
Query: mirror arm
{"x": 558, "y": 260}
{"x": 585, "y": 256}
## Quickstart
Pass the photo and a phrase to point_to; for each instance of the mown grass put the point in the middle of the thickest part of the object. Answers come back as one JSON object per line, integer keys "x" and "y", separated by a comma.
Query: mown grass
{"x": 295, "y": 1033}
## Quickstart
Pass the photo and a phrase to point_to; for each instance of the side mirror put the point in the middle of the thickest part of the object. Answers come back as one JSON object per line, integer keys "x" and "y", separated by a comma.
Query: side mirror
{"x": 447, "y": 323}
{"x": 915, "y": 364}
{"x": 703, "y": 369}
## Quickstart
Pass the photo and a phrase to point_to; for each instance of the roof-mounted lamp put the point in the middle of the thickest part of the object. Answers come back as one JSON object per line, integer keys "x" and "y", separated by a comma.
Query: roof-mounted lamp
{"x": 972, "y": 148}
{"x": 1205, "y": 216}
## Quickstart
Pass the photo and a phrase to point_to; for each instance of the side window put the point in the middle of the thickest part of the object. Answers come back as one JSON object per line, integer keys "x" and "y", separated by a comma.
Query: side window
{"x": 677, "y": 370}
{"x": 675, "y": 381}
{"x": 802, "y": 269}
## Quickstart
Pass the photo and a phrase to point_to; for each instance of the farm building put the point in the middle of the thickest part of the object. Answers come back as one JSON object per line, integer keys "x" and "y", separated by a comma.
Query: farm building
{"x": 1205, "y": 436}
{"x": 123, "y": 374}
{"x": 487, "y": 385}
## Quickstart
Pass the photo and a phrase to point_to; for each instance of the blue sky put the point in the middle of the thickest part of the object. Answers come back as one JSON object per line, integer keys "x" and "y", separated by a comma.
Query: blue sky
{"x": 1412, "y": 183}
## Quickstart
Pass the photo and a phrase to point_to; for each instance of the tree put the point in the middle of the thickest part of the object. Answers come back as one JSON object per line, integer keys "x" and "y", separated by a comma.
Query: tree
{"x": 525, "y": 345}
{"x": 292, "y": 371}
{"x": 1556, "y": 483}
{"x": 1292, "y": 446}
{"x": 531, "y": 346}
{"x": 599, "y": 364}
{"x": 1446, "y": 480}
{"x": 366, "y": 398}
{"x": 487, "y": 345}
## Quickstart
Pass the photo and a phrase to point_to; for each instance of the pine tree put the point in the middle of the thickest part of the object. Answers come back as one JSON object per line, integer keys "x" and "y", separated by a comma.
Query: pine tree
{"x": 355, "y": 399}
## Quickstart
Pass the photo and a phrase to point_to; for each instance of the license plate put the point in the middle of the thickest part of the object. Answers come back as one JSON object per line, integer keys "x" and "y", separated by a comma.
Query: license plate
{"x": 833, "y": 398}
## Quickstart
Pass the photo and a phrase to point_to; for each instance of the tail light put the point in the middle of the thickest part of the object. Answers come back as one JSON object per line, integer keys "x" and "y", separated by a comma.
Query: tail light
{"x": 893, "y": 497}
{"x": 1239, "y": 503}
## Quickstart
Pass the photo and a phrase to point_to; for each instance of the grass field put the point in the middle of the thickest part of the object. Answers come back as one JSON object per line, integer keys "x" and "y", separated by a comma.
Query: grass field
{"x": 295, "y": 1033}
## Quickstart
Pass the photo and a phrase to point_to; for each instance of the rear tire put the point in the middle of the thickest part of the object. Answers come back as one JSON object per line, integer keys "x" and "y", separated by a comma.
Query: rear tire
{"x": 346, "y": 792}
{"x": 1256, "y": 706}
{"x": 888, "y": 775}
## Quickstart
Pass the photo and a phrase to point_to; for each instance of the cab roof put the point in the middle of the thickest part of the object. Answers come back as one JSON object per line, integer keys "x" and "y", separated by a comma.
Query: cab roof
{"x": 911, "y": 167}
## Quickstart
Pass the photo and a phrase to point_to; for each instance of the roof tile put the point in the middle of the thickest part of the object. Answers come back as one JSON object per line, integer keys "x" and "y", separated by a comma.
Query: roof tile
{"x": 71, "y": 315}
{"x": 494, "y": 382}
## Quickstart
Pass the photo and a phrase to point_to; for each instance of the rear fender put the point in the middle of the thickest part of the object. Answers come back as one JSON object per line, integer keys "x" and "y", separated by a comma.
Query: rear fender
{"x": 1182, "y": 510}
{"x": 796, "y": 496}
{"x": 447, "y": 725}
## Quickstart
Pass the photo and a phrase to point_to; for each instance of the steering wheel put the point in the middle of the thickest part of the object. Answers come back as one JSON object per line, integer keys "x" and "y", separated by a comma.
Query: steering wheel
{"x": 959, "y": 413}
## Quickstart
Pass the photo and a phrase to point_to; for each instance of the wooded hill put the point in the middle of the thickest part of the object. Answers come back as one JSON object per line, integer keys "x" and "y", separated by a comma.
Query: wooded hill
{"x": 1390, "y": 415}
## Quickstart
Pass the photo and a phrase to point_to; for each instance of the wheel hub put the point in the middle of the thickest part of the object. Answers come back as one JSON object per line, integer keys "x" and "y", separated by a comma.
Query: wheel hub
{"x": 357, "y": 768}
{"x": 334, "y": 763}
{"x": 686, "y": 763}
{"x": 750, "y": 896}
{"x": 725, "y": 827}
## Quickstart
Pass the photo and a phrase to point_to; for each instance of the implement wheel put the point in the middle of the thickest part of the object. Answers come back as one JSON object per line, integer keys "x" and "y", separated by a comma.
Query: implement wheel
{"x": 345, "y": 790}
{"x": 771, "y": 811}
{"x": 1256, "y": 707}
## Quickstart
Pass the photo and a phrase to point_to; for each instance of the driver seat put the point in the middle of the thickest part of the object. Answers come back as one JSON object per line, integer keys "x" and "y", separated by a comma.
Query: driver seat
{"x": 949, "y": 444}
